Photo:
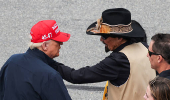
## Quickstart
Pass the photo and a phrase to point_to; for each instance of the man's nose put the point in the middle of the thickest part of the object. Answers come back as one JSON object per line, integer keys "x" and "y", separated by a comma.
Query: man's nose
{"x": 147, "y": 55}
{"x": 101, "y": 39}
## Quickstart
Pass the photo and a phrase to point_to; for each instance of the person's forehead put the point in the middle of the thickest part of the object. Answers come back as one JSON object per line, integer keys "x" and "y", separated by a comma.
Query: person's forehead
{"x": 58, "y": 42}
{"x": 54, "y": 40}
{"x": 148, "y": 91}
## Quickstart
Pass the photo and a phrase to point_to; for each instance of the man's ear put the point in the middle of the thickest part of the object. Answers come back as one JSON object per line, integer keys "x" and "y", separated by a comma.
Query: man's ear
{"x": 159, "y": 58}
{"x": 44, "y": 46}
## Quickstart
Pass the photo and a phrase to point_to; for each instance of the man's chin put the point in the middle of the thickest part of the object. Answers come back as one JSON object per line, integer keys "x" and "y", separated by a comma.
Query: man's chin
{"x": 106, "y": 49}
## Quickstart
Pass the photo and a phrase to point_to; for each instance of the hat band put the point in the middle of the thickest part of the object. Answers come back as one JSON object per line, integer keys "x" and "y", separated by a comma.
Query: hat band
{"x": 107, "y": 29}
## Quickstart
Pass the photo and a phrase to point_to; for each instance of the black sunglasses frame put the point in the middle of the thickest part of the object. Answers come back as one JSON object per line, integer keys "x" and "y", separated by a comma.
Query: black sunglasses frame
{"x": 104, "y": 37}
{"x": 152, "y": 53}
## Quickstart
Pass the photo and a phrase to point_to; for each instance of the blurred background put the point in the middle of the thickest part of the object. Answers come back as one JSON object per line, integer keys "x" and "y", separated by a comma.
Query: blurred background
{"x": 74, "y": 16}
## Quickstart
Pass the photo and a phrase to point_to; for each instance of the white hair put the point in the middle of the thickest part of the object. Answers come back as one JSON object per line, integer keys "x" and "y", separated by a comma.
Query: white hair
{"x": 33, "y": 45}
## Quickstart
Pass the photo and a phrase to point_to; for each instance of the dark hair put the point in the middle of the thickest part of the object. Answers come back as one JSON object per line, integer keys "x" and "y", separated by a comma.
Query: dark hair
{"x": 161, "y": 45}
{"x": 160, "y": 88}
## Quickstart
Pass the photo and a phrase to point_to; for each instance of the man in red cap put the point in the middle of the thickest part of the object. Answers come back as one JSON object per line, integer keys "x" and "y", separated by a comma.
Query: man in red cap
{"x": 28, "y": 76}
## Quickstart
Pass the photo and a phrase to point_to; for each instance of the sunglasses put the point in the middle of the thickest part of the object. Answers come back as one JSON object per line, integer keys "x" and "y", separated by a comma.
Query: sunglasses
{"x": 152, "y": 53}
{"x": 104, "y": 37}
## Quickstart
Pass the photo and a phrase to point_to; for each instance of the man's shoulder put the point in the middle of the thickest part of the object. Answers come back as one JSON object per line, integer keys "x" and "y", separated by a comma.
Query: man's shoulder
{"x": 14, "y": 59}
{"x": 29, "y": 63}
{"x": 165, "y": 74}
{"x": 16, "y": 56}
{"x": 144, "y": 44}
{"x": 116, "y": 57}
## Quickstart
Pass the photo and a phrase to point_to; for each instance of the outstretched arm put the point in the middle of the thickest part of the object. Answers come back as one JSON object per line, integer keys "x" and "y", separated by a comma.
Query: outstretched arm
{"x": 108, "y": 69}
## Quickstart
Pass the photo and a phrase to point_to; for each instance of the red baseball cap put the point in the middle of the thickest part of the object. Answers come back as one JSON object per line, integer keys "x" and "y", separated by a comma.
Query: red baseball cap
{"x": 46, "y": 30}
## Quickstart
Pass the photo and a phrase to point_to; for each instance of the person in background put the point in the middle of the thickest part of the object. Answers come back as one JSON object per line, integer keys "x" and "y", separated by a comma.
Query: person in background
{"x": 127, "y": 69}
{"x": 158, "y": 89}
{"x": 158, "y": 54}
{"x": 28, "y": 76}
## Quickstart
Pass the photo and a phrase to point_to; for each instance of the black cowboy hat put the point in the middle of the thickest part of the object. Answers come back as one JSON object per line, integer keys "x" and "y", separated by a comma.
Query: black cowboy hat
{"x": 119, "y": 23}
